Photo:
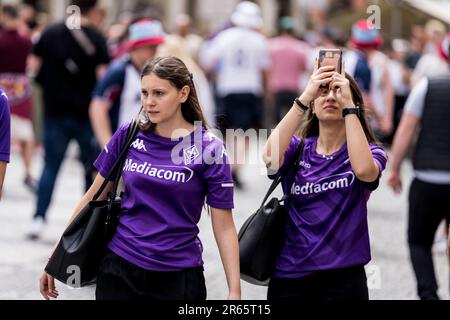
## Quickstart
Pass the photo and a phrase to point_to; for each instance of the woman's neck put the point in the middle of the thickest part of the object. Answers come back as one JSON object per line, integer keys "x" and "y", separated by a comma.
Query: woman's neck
{"x": 174, "y": 128}
{"x": 332, "y": 137}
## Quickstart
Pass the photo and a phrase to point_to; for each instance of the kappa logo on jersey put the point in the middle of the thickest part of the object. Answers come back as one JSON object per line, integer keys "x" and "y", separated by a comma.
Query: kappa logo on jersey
{"x": 139, "y": 145}
{"x": 305, "y": 165}
{"x": 190, "y": 155}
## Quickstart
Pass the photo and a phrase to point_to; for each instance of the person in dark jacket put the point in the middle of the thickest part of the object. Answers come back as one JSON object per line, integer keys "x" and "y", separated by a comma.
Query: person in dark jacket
{"x": 427, "y": 108}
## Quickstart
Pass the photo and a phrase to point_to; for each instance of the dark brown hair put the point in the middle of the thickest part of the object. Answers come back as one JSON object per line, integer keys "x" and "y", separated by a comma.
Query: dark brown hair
{"x": 310, "y": 127}
{"x": 84, "y": 5}
{"x": 175, "y": 71}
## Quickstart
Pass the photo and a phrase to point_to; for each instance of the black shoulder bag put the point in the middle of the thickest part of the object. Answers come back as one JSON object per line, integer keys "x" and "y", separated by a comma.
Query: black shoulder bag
{"x": 262, "y": 235}
{"x": 76, "y": 259}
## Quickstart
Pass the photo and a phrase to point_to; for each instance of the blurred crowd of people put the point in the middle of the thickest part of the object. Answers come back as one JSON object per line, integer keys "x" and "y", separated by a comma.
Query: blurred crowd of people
{"x": 90, "y": 77}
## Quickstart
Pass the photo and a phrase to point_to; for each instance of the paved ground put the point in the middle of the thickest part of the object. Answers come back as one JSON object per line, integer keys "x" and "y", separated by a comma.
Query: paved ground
{"x": 21, "y": 262}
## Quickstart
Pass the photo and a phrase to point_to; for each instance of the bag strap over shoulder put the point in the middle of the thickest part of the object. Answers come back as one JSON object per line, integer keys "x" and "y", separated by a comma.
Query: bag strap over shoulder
{"x": 83, "y": 41}
{"x": 292, "y": 166}
{"x": 119, "y": 163}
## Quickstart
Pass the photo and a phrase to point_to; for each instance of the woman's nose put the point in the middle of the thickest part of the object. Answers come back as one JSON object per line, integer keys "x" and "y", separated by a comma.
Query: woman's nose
{"x": 147, "y": 101}
{"x": 331, "y": 96}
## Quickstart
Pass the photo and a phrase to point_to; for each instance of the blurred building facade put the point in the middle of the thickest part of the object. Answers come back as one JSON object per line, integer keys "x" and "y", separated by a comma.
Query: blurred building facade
{"x": 207, "y": 14}
{"x": 309, "y": 14}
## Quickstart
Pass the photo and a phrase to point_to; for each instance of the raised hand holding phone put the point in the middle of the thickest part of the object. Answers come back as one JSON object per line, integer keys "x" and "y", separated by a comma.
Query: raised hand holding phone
{"x": 320, "y": 77}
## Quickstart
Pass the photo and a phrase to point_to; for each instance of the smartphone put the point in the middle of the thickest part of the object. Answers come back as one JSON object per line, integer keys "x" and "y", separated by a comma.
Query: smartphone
{"x": 331, "y": 57}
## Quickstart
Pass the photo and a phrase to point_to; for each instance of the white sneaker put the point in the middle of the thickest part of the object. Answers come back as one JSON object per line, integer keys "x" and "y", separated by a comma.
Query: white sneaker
{"x": 35, "y": 229}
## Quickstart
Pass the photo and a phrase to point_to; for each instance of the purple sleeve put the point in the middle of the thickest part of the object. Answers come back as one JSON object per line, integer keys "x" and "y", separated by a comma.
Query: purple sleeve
{"x": 111, "y": 152}
{"x": 219, "y": 181}
{"x": 5, "y": 129}
{"x": 380, "y": 157}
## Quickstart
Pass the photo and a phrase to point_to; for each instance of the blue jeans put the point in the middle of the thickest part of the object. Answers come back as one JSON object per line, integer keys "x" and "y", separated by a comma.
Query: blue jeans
{"x": 58, "y": 132}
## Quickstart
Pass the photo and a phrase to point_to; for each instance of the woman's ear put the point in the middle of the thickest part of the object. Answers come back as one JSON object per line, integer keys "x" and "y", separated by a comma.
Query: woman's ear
{"x": 184, "y": 94}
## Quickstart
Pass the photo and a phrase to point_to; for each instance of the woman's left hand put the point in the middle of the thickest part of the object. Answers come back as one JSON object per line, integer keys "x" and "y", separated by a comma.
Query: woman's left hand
{"x": 341, "y": 85}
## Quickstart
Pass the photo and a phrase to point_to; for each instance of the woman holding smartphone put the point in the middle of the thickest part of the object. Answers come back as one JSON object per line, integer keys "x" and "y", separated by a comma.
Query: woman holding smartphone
{"x": 327, "y": 240}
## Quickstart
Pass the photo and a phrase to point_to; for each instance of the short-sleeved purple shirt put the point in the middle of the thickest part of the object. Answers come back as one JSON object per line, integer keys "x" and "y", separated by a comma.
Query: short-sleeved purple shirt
{"x": 5, "y": 128}
{"x": 327, "y": 226}
{"x": 166, "y": 185}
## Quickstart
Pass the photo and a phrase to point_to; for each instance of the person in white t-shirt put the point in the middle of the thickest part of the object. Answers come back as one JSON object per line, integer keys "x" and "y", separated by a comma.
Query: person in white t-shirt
{"x": 240, "y": 58}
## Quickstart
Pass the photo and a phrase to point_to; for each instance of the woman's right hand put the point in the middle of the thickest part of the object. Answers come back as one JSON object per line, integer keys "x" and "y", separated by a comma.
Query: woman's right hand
{"x": 321, "y": 76}
{"x": 47, "y": 287}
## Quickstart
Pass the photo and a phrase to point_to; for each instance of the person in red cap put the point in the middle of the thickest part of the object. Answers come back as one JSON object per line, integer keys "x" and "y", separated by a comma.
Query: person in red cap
{"x": 117, "y": 95}
{"x": 367, "y": 39}
{"x": 427, "y": 108}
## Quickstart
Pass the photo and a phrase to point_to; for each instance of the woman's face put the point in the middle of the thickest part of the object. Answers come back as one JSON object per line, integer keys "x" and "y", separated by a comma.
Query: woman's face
{"x": 160, "y": 99}
{"x": 326, "y": 106}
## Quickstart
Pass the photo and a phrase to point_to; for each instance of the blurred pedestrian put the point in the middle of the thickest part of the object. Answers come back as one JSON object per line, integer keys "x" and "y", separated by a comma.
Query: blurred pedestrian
{"x": 5, "y": 139}
{"x": 14, "y": 52}
{"x": 432, "y": 62}
{"x": 288, "y": 62}
{"x": 435, "y": 32}
{"x": 368, "y": 39}
{"x": 426, "y": 110}
{"x": 326, "y": 244}
{"x": 190, "y": 42}
{"x": 400, "y": 75}
{"x": 27, "y": 20}
{"x": 117, "y": 95}
{"x": 156, "y": 253}
{"x": 240, "y": 57}
{"x": 71, "y": 59}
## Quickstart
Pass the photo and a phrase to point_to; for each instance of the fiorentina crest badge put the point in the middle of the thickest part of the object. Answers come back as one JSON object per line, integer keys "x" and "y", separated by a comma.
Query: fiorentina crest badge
{"x": 190, "y": 155}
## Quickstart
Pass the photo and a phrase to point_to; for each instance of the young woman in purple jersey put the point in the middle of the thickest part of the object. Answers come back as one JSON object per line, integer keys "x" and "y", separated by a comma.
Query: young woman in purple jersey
{"x": 327, "y": 240}
{"x": 172, "y": 167}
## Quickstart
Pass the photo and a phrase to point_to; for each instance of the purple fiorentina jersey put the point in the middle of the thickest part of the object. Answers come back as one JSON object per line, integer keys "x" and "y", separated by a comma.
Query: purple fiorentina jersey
{"x": 5, "y": 131}
{"x": 327, "y": 228}
{"x": 166, "y": 185}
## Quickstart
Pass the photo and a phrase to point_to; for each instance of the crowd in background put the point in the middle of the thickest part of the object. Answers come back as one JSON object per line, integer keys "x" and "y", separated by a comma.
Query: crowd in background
{"x": 245, "y": 79}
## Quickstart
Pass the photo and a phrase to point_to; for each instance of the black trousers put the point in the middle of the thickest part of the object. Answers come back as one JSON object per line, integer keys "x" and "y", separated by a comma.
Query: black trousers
{"x": 429, "y": 204}
{"x": 120, "y": 280}
{"x": 338, "y": 284}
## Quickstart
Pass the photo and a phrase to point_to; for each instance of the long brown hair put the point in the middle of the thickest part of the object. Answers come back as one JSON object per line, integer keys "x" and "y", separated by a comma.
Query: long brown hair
{"x": 175, "y": 71}
{"x": 310, "y": 127}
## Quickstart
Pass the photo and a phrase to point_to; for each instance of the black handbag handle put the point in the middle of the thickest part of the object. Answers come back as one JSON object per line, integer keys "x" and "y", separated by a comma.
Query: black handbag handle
{"x": 292, "y": 166}
{"x": 130, "y": 136}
